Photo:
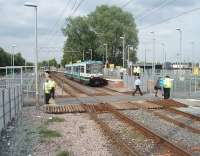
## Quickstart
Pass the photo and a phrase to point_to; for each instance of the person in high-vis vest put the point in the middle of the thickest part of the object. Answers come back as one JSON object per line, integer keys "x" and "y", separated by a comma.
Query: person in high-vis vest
{"x": 52, "y": 86}
{"x": 47, "y": 90}
{"x": 167, "y": 85}
{"x": 138, "y": 71}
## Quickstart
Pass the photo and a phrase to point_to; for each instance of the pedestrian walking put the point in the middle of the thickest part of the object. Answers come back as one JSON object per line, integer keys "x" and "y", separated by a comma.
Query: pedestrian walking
{"x": 47, "y": 89}
{"x": 158, "y": 86}
{"x": 137, "y": 86}
{"x": 167, "y": 86}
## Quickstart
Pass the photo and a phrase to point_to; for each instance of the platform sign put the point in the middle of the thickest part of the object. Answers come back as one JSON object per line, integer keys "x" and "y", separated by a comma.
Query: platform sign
{"x": 112, "y": 66}
{"x": 195, "y": 71}
{"x": 118, "y": 67}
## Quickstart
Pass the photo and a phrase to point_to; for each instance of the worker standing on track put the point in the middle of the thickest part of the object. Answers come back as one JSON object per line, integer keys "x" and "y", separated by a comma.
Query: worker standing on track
{"x": 52, "y": 86}
{"x": 47, "y": 89}
{"x": 167, "y": 85}
{"x": 137, "y": 86}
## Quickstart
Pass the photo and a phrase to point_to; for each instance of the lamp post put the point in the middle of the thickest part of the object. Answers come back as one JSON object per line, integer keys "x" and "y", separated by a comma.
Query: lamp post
{"x": 145, "y": 59}
{"x": 36, "y": 52}
{"x": 106, "y": 45}
{"x": 164, "y": 54}
{"x": 154, "y": 53}
{"x": 130, "y": 47}
{"x": 192, "y": 60}
{"x": 180, "y": 45}
{"x": 13, "y": 59}
{"x": 123, "y": 39}
{"x": 90, "y": 54}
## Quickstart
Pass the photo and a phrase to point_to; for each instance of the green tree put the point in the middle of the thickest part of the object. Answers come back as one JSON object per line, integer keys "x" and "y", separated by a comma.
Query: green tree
{"x": 104, "y": 25}
{"x": 5, "y": 59}
{"x": 51, "y": 62}
{"x": 79, "y": 39}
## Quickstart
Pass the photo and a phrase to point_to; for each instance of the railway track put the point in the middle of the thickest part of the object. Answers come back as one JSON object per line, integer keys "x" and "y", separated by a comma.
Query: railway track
{"x": 93, "y": 110}
{"x": 90, "y": 91}
{"x": 81, "y": 88}
{"x": 170, "y": 105}
{"x": 169, "y": 148}
{"x": 71, "y": 90}
{"x": 159, "y": 140}
{"x": 165, "y": 117}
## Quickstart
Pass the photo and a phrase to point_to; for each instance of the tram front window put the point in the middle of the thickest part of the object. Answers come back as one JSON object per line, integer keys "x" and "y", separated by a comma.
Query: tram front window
{"x": 93, "y": 68}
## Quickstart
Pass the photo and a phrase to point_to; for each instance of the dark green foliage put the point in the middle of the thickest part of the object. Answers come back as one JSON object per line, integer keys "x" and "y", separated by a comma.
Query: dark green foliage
{"x": 54, "y": 119}
{"x": 51, "y": 62}
{"x": 104, "y": 25}
{"x": 63, "y": 153}
{"x": 5, "y": 60}
{"x": 47, "y": 133}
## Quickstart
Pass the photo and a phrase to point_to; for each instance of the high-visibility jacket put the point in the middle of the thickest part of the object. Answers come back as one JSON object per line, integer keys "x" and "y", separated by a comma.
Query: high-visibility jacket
{"x": 52, "y": 83}
{"x": 138, "y": 70}
{"x": 47, "y": 87}
{"x": 135, "y": 70}
{"x": 167, "y": 83}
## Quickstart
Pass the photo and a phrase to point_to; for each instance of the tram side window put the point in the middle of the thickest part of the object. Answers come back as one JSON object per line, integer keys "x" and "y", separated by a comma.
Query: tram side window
{"x": 69, "y": 69}
{"x": 76, "y": 69}
{"x": 82, "y": 69}
{"x": 88, "y": 68}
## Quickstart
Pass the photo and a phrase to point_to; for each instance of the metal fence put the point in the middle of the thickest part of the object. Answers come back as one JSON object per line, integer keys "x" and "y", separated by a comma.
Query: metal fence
{"x": 11, "y": 101}
{"x": 185, "y": 85}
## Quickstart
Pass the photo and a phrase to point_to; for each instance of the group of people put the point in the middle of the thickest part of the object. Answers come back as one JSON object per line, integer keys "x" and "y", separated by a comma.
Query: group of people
{"x": 162, "y": 84}
{"x": 49, "y": 89}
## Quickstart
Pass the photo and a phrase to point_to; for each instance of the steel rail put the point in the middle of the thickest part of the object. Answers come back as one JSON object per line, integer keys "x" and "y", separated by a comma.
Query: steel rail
{"x": 188, "y": 115}
{"x": 74, "y": 86}
{"x": 171, "y": 120}
{"x": 148, "y": 132}
{"x": 108, "y": 132}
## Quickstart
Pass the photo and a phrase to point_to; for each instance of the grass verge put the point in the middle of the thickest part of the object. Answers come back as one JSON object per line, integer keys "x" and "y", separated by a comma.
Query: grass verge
{"x": 47, "y": 133}
{"x": 54, "y": 119}
{"x": 63, "y": 153}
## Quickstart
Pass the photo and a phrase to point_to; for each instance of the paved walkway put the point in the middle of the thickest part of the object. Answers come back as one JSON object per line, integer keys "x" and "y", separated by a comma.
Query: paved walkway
{"x": 98, "y": 99}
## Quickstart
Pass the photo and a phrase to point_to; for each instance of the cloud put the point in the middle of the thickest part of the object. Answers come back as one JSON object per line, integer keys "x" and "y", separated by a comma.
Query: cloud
{"x": 17, "y": 24}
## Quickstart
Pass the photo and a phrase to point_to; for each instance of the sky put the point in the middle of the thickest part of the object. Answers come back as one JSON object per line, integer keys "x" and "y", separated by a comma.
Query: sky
{"x": 17, "y": 26}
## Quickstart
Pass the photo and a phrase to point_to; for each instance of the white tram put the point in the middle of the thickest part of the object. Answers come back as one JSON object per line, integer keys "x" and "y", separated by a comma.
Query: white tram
{"x": 88, "y": 72}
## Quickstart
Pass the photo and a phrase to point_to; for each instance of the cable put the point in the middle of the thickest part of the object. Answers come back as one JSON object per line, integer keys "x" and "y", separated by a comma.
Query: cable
{"x": 161, "y": 5}
{"x": 171, "y": 18}
{"x": 57, "y": 31}
{"x": 127, "y": 3}
{"x": 60, "y": 17}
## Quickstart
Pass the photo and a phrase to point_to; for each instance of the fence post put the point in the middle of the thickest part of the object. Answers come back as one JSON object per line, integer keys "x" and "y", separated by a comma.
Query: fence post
{"x": 22, "y": 98}
{"x": 10, "y": 103}
{"x": 190, "y": 87}
{"x": 15, "y": 102}
{"x": 195, "y": 89}
{"x": 4, "y": 114}
{"x": 18, "y": 99}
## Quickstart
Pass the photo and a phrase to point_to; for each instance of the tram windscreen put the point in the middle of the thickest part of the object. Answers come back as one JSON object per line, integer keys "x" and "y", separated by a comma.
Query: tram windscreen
{"x": 94, "y": 68}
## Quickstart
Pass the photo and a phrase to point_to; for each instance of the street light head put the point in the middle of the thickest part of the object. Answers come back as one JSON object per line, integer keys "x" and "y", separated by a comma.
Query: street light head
{"x": 178, "y": 29}
{"x": 152, "y": 32}
{"x": 30, "y": 5}
{"x": 122, "y": 37}
{"x": 14, "y": 45}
